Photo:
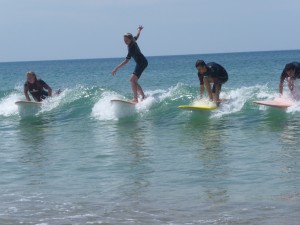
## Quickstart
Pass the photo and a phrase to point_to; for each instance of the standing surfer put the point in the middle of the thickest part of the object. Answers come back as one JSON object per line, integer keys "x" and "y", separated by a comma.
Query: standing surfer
{"x": 141, "y": 63}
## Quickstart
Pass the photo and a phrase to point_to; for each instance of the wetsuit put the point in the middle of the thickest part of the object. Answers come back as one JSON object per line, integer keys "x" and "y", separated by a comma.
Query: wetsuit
{"x": 141, "y": 61}
{"x": 294, "y": 66}
{"x": 217, "y": 73}
{"x": 37, "y": 89}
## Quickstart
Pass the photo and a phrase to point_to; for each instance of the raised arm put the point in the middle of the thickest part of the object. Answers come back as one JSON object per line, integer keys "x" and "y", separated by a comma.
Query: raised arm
{"x": 140, "y": 28}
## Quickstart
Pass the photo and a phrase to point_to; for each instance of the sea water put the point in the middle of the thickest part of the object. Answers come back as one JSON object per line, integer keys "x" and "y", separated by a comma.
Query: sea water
{"x": 80, "y": 160}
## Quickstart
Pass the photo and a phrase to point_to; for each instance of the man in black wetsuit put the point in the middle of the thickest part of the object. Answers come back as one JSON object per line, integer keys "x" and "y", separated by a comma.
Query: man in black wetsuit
{"x": 211, "y": 73}
{"x": 36, "y": 87}
{"x": 290, "y": 72}
{"x": 141, "y": 63}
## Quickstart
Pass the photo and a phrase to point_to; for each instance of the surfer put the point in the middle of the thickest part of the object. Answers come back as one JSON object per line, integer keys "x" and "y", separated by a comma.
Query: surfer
{"x": 141, "y": 63}
{"x": 290, "y": 72}
{"x": 36, "y": 87}
{"x": 211, "y": 73}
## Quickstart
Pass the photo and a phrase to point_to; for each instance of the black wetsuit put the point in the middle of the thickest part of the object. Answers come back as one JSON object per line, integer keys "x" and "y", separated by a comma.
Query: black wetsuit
{"x": 37, "y": 89}
{"x": 217, "y": 73}
{"x": 141, "y": 61}
{"x": 294, "y": 66}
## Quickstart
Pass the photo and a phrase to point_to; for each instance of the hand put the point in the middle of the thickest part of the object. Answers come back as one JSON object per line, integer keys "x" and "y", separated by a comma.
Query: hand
{"x": 140, "y": 28}
{"x": 114, "y": 71}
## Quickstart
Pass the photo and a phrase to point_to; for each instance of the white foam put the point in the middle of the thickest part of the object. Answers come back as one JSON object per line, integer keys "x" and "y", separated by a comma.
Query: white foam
{"x": 203, "y": 102}
{"x": 152, "y": 98}
{"x": 8, "y": 106}
{"x": 53, "y": 102}
{"x": 236, "y": 99}
{"x": 103, "y": 109}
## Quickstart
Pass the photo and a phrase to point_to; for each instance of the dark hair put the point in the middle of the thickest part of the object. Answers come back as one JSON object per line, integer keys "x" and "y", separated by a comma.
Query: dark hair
{"x": 289, "y": 66}
{"x": 200, "y": 62}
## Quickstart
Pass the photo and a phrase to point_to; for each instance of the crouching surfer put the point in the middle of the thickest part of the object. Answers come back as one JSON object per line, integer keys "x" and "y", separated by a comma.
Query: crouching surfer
{"x": 38, "y": 88}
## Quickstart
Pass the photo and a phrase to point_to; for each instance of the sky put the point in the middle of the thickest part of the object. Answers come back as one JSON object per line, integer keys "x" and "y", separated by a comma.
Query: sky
{"x": 33, "y": 30}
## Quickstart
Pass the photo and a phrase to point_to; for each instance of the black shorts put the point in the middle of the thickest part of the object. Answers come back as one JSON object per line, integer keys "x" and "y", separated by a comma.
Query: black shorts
{"x": 40, "y": 96}
{"x": 222, "y": 80}
{"x": 139, "y": 68}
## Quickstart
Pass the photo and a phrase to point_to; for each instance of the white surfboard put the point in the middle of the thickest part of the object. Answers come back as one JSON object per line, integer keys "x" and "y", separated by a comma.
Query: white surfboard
{"x": 122, "y": 101}
{"x": 28, "y": 108}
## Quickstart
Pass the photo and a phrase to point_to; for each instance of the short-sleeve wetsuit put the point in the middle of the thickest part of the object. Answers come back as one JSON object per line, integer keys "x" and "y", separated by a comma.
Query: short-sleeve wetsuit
{"x": 217, "y": 73}
{"x": 37, "y": 89}
{"x": 292, "y": 65}
{"x": 141, "y": 61}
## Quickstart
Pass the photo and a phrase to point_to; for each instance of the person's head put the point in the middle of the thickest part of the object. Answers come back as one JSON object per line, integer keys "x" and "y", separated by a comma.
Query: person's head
{"x": 128, "y": 38}
{"x": 201, "y": 66}
{"x": 290, "y": 69}
{"x": 31, "y": 77}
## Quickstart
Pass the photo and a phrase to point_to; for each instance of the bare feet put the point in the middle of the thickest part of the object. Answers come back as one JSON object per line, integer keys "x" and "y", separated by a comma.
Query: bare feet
{"x": 134, "y": 101}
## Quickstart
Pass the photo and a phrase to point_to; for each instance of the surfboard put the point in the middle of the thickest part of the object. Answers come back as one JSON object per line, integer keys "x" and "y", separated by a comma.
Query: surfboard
{"x": 27, "y": 102}
{"x": 277, "y": 103}
{"x": 28, "y": 108}
{"x": 123, "y": 101}
{"x": 198, "y": 108}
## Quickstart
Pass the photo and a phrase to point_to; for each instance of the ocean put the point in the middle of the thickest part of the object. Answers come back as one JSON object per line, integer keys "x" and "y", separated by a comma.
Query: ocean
{"x": 80, "y": 160}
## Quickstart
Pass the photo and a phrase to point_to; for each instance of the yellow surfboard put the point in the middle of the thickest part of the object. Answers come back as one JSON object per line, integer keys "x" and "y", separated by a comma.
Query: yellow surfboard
{"x": 198, "y": 108}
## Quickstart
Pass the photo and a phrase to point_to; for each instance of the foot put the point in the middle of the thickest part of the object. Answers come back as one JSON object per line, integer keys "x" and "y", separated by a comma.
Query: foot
{"x": 143, "y": 98}
{"x": 134, "y": 101}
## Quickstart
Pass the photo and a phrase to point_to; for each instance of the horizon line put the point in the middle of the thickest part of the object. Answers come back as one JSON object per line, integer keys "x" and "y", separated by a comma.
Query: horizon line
{"x": 212, "y": 53}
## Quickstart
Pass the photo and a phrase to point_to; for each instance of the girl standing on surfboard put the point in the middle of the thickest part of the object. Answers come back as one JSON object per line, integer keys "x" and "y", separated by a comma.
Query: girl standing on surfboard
{"x": 141, "y": 63}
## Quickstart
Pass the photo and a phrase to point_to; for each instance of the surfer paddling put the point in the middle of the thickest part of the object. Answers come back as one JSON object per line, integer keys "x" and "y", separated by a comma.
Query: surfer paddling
{"x": 211, "y": 73}
{"x": 290, "y": 72}
{"x": 141, "y": 63}
{"x": 36, "y": 87}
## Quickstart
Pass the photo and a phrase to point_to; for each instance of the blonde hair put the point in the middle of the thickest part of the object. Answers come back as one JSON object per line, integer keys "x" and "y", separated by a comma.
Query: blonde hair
{"x": 33, "y": 74}
{"x": 130, "y": 36}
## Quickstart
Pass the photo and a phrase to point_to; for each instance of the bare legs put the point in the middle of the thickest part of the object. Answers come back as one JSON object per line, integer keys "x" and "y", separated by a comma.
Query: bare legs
{"x": 136, "y": 88}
